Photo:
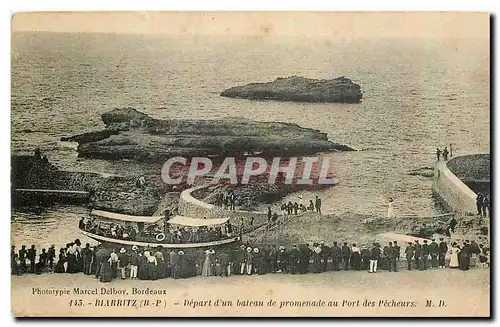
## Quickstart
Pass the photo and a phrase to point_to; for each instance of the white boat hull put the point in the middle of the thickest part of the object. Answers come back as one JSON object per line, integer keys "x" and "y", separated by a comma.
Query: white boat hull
{"x": 104, "y": 239}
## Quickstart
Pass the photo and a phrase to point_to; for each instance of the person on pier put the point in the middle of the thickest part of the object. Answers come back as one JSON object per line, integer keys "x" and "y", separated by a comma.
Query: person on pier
{"x": 445, "y": 154}
{"x": 479, "y": 203}
{"x": 438, "y": 154}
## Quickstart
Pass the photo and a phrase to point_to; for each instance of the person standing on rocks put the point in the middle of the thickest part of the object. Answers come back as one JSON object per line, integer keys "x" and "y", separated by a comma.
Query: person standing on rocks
{"x": 451, "y": 226}
{"x": 318, "y": 204}
{"x": 485, "y": 206}
{"x": 390, "y": 209}
{"x": 438, "y": 154}
{"x": 269, "y": 215}
{"x": 445, "y": 154}
{"x": 451, "y": 151}
{"x": 311, "y": 205}
{"x": 479, "y": 203}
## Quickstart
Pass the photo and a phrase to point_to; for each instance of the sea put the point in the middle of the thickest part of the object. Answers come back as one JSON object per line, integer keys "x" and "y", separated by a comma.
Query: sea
{"x": 418, "y": 94}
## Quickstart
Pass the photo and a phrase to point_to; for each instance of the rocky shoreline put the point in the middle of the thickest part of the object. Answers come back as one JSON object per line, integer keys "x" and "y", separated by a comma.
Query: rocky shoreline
{"x": 130, "y": 134}
{"x": 299, "y": 89}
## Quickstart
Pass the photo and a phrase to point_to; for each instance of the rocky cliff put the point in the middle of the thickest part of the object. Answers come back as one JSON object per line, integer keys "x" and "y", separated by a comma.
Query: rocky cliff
{"x": 130, "y": 134}
{"x": 299, "y": 89}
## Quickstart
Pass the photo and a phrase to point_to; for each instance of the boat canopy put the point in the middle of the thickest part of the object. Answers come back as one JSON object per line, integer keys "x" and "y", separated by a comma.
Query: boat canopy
{"x": 122, "y": 217}
{"x": 196, "y": 222}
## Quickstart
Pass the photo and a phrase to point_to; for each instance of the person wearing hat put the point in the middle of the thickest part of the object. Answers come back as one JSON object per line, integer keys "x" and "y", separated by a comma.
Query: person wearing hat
{"x": 273, "y": 258}
{"x": 424, "y": 256}
{"x": 256, "y": 262}
{"x": 410, "y": 252}
{"x": 365, "y": 258}
{"x": 87, "y": 259}
{"x": 282, "y": 260}
{"x": 134, "y": 262}
{"x": 208, "y": 263}
{"x": 51, "y": 256}
{"x": 248, "y": 261}
{"x": 325, "y": 254}
{"x": 123, "y": 262}
{"x": 113, "y": 260}
{"x": 294, "y": 258}
{"x": 442, "y": 250}
{"x": 374, "y": 257}
{"x": 316, "y": 256}
{"x": 434, "y": 252}
{"x": 418, "y": 254}
{"x": 93, "y": 264}
{"x": 355, "y": 257}
{"x": 240, "y": 260}
{"x": 336, "y": 256}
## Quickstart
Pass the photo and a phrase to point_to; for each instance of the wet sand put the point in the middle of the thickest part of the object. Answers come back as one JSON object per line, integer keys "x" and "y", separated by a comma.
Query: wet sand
{"x": 404, "y": 293}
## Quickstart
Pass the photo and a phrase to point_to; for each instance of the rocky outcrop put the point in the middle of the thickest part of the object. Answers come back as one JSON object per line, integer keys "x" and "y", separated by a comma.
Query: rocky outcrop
{"x": 130, "y": 134}
{"x": 299, "y": 89}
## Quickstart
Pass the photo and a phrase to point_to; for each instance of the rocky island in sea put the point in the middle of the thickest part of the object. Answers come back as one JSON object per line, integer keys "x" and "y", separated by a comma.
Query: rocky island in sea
{"x": 299, "y": 89}
{"x": 130, "y": 134}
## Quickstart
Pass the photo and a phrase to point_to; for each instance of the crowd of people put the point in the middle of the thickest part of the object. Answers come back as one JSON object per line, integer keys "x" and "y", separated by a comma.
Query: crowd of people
{"x": 445, "y": 153}
{"x": 295, "y": 208}
{"x": 226, "y": 200}
{"x": 158, "y": 263}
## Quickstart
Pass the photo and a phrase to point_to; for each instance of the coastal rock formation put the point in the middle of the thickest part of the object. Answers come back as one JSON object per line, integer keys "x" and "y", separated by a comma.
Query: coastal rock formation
{"x": 299, "y": 89}
{"x": 130, "y": 134}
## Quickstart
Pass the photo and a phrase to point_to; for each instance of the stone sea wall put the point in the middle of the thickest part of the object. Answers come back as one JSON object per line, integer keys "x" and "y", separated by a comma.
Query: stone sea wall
{"x": 451, "y": 189}
{"x": 190, "y": 206}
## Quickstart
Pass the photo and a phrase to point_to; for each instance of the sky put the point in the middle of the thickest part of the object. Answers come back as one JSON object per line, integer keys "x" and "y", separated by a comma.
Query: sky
{"x": 342, "y": 25}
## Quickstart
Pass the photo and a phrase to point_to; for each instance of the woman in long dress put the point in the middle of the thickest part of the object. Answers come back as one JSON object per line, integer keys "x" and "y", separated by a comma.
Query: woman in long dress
{"x": 142, "y": 269}
{"x": 390, "y": 209}
{"x": 316, "y": 256}
{"x": 59, "y": 268}
{"x": 207, "y": 264}
{"x": 464, "y": 256}
{"x": 106, "y": 272}
{"x": 454, "y": 251}
{"x": 151, "y": 270}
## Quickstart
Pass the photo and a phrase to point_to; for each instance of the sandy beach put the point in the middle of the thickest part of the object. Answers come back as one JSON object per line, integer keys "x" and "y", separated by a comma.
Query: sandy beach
{"x": 337, "y": 294}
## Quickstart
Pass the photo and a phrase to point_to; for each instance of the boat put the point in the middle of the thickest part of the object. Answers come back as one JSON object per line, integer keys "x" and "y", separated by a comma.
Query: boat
{"x": 149, "y": 234}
